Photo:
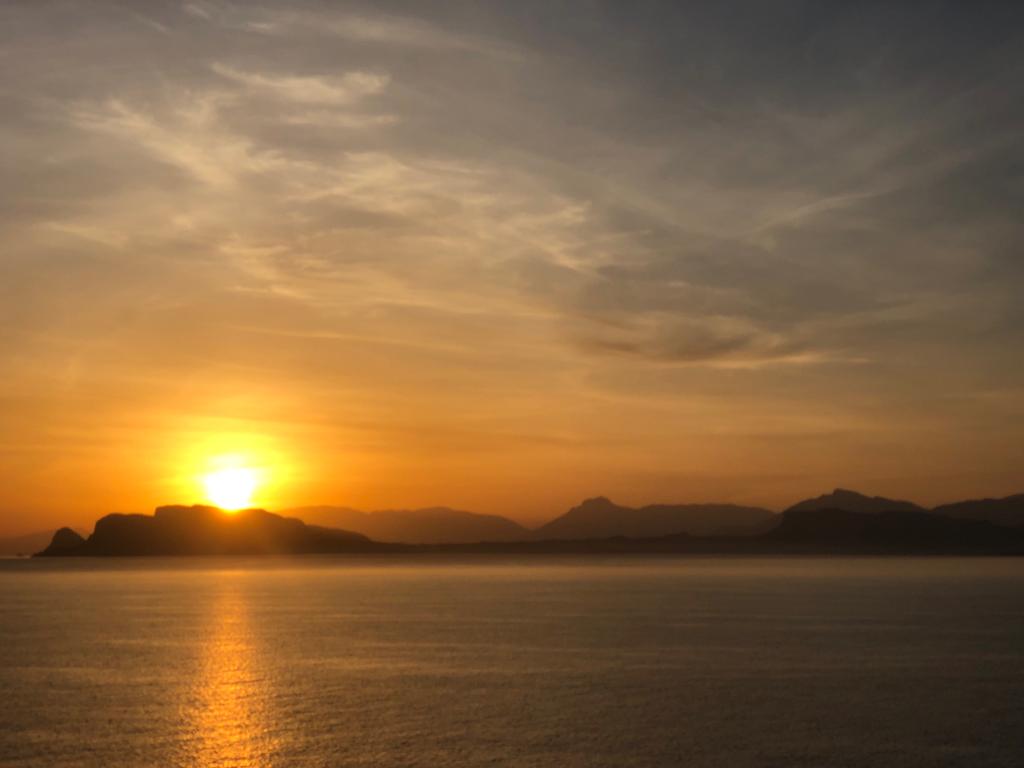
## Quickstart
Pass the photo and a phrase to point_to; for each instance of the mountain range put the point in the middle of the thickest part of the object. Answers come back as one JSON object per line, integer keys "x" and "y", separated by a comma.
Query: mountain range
{"x": 201, "y": 530}
{"x": 595, "y": 518}
{"x": 600, "y": 517}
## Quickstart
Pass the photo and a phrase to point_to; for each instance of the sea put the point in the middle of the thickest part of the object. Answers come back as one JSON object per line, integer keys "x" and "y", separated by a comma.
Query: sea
{"x": 539, "y": 661}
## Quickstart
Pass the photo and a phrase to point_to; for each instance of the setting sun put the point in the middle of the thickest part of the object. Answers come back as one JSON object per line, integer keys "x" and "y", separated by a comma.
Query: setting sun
{"x": 232, "y": 488}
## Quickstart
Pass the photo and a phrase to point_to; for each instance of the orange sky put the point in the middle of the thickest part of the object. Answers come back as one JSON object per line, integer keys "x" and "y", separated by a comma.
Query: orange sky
{"x": 476, "y": 261}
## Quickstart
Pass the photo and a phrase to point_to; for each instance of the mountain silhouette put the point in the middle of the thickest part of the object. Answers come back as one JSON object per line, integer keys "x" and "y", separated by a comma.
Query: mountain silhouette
{"x": 1006, "y": 511}
{"x": 201, "y": 530}
{"x": 26, "y": 543}
{"x": 851, "y": 501}
{"x": 601, "y": 518}
{"x": 431, "y": 525}
{"x": 65, "y": 542}
{"x": 803, "y": 532}
{"x": 842, "y": 521}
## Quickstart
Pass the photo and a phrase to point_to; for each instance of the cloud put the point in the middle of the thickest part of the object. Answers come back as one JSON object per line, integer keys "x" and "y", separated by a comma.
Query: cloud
{"x": 339, "y": 91}
{"x": 188, "y": 137}
{"x": 375, "y": 29}
{"x": 199, "y": 10}
{"x": 398, "y": 31}
{"x": 669, "y": 338}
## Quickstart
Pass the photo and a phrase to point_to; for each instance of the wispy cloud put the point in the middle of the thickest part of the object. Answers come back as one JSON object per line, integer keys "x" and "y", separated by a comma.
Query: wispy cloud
{"x": 341, "y": 91}
{"x": 370, "y": 29}
{"x": 381, "y": 29}
{"x": 186, "y": 138}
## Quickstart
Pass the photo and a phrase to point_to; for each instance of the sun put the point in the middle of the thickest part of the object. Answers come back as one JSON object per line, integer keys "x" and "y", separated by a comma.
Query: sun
{"x": 232, "y": 488}
{"x": 232, "y": 473}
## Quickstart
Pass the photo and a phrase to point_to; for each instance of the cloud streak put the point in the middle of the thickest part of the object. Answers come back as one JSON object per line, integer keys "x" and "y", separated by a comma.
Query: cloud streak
{"x": 340, "y": 91}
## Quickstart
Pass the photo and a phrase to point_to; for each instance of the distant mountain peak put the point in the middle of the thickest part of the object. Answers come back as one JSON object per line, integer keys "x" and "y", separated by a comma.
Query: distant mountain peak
{"x": 600, "y": 517}
{"x": 848, "y": 492}
{"x": 64, "y": 540}
{"x": 598, "y": 502}
{"x": 854, "y": 501}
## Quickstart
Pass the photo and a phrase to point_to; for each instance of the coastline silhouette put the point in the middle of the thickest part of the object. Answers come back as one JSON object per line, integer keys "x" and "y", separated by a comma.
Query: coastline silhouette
{"x": 841, "y": 522}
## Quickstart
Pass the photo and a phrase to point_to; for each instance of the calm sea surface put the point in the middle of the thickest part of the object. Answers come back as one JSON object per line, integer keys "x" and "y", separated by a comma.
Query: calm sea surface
{"x": 540, "y": 662}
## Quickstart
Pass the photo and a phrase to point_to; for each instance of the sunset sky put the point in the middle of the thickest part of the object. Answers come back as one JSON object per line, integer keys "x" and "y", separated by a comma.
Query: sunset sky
{"x": 504, "y": 256}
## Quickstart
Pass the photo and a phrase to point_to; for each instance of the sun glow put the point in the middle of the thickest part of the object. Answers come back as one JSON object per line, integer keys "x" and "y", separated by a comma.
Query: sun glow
{"x": 229, "y": 469}
{"x": 231, "y": 488}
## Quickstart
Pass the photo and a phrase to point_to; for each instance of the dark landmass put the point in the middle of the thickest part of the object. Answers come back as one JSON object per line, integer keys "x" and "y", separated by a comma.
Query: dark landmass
{"x": 209, "y": 531}
{"x": 200, "y": 530}
{"x": 804, "y": 532}
{"x": 599, "y": 518}
{"x": 66, "y": 541}
{"x": 1008, "y": 511}
{"x": 895, "y": 531}
{"x": 27, "y": 543}
{"x": 431, "y": 525}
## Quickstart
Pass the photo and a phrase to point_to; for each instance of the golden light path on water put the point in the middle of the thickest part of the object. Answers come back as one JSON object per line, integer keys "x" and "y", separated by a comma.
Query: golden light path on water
{"x": 226, "y": 719}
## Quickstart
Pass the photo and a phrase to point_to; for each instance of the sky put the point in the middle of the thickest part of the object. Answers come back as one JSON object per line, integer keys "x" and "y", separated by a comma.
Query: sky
{"x": 505, "y": 256}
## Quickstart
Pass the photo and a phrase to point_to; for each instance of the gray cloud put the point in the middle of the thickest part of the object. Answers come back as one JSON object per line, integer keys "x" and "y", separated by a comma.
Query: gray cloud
{"x": 746, "y": 188}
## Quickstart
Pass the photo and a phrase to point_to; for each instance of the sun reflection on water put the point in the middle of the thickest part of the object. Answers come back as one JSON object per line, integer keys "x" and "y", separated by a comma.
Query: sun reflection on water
{"x": 227, "y": 719}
